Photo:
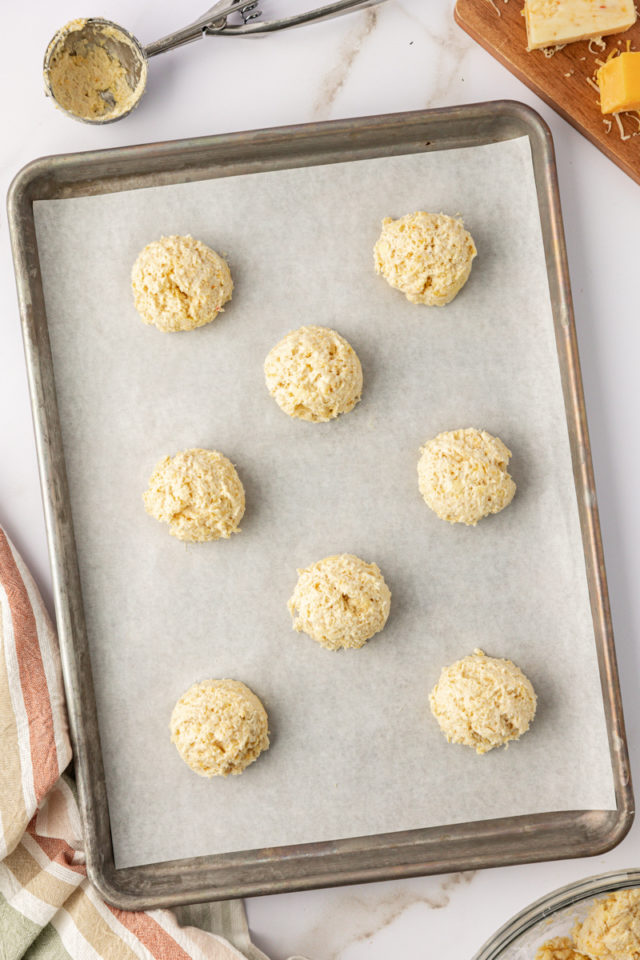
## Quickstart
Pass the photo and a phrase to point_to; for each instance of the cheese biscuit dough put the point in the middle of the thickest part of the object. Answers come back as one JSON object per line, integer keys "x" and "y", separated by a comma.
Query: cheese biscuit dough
{"x": 340, "y": 602}
{"x": 559, "y": 948}
{"x": 179, "y": 284}
{"x": 463, "y": 476}
{"x": 314, "y": 374}
{"x": 219, "y": 727}
{"x": 427, "y": 256}
{"x": 483, "y": 702}
{"x": 611, "y": 929}
{"x": 198, "y": 493}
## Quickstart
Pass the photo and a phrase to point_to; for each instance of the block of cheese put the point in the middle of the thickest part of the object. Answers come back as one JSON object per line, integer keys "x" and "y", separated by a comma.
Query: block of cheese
{"x": 619, "y": 82}
{"x": 554, "y": 22}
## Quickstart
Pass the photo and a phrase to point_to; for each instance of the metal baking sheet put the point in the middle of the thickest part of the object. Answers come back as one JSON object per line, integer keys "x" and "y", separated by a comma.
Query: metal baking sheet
{"x": 296, "y": 844}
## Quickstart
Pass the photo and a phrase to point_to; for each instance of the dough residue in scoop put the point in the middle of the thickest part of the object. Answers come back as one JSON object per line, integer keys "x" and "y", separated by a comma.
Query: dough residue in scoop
{"x": 463, "y": 476}
{"x": 219, "y": 727}
{"x": 427, "y": 256}
{"x": 87, "y": 77}
{"x": 483, "y": 702}
{"x": 179, "y": 284}
{"x": 198, "y": 493}
{"x": 340, "y": 601}
{"x": 314, "y": 374}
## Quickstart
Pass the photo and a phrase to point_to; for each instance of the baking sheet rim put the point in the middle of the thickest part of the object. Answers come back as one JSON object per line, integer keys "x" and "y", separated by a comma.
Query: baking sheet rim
{"x": 116, "y": 885}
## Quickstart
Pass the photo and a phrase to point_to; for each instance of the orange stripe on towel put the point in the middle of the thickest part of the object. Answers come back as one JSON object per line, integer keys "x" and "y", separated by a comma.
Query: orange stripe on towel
{"x": 32, "y": 676}
{"x": 57, "y": 850}
{"x": 151, "y": 935}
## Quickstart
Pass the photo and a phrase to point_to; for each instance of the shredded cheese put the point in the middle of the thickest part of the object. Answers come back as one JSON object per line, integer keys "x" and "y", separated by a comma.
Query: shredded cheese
{"x": 623, "y": 135}
{"x": 607, "y": 124}
{"x": 549, "y": 51}
{"x": 599, "y": 42}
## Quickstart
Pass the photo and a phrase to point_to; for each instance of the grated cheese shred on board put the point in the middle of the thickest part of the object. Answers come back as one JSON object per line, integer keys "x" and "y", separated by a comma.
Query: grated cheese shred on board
{"x": 599, "y": 42}
{"x": 549, "y": 51}
{"x": 607, "y": 124}
{"x": 623, "y": 135}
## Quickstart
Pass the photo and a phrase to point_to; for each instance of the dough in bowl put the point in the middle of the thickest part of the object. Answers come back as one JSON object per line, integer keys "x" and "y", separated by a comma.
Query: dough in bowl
{"x": 219, "y": 727}
{"x": 611, "y": 929}
{"x": 427, "y": 256}
{"x": 483, "y": 702}
{"x": 198, "y": 493}
{"x": 559, "y": 948}
{"x": 179, "y": 284}
{"x": 314, "y": 374}
{"x": 463, "y": 476}
{"x": 340, "y": 601}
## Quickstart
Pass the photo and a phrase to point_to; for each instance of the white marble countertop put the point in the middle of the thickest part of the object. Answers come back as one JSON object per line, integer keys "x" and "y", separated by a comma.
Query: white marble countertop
{"x": 406, "y": 54}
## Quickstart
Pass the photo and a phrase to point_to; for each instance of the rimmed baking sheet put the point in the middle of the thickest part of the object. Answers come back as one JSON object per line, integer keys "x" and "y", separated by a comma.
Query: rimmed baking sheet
{"x": 355, "y": 752}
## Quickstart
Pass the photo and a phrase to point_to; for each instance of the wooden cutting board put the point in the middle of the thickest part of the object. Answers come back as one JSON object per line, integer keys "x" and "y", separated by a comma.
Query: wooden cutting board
{"x": 560, "y": 80}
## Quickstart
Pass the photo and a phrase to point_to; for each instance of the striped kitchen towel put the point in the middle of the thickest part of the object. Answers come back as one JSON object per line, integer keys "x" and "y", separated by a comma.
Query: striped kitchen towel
{"x": 48, "y": 908}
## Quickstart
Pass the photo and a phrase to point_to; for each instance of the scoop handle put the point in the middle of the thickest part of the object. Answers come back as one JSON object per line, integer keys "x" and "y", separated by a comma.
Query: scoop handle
{"x": 214, "y": 23}
{"x": 257, "y": 27}
{"x": 216, "y": 15}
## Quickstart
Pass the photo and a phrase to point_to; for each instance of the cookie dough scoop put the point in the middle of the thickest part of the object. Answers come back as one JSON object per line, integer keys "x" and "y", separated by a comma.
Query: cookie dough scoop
{"x": 96, "y": 71}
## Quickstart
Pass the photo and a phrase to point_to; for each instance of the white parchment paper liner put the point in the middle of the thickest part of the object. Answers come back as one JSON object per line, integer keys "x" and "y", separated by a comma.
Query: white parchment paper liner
{"x": 355, "y": 750}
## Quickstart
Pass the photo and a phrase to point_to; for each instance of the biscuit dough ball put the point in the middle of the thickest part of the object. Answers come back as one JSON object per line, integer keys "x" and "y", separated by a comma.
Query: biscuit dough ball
{"x": 219, "y": 727}
{"x": 179, "y": 284}
{"x": 198, "y": 493}
{"x": 314, "y": 374}
{"x": 340, "y": 601}
{"x": 611, "y": 929}
{"x": 483, "y": 702}
{"x": 427, "y": 256}
{"x": 463, "y": 476}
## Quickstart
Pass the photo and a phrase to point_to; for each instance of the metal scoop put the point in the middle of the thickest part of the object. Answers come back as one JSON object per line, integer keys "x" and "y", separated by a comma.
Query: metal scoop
{"x": 96, "y": 71}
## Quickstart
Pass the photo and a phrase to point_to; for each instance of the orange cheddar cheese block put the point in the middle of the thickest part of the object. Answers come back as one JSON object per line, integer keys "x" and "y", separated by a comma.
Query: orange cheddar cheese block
{"x": 556, "y": 22}
{"x": 619, "y": 82}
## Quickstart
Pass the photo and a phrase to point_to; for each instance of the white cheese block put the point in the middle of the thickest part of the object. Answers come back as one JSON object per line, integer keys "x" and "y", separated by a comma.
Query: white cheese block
{"x": 554, "y": 22}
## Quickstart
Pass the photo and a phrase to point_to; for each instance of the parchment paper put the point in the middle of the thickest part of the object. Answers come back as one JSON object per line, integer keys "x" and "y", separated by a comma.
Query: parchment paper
{"x": 354, "y": 749}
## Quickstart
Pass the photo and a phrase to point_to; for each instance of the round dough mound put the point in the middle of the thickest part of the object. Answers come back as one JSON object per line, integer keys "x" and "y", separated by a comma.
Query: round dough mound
{"x": 483, "y": 702}
{"x": 314, "y": 374}
{"x": 180, "y": 284}
{"x": 611, "y": 930}
{"x": 198, "y": 493}
{"x": 427, "y": 256}
{"x": 219, "y": 727}
{"x": 463, "y": 476}
{"x": 340, "y": 601}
